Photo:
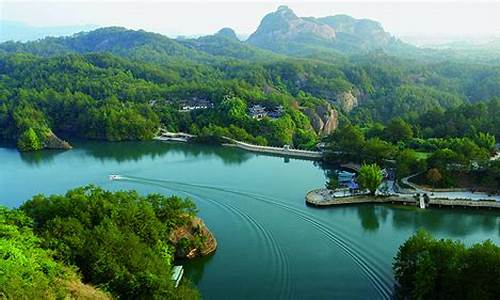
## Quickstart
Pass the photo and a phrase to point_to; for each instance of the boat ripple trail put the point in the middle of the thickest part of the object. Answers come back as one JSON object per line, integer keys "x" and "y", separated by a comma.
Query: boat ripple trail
{"x": 381, "y": 280}
{"x": 286, "y": 289}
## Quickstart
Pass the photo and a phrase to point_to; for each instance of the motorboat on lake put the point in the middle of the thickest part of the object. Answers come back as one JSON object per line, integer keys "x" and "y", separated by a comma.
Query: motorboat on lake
{"x": 114, "y": 177}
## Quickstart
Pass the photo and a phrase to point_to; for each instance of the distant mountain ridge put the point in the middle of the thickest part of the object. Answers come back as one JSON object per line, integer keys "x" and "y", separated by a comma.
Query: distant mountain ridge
{"x": 18, "y": 31}
{"x": 280, "y": 33}
{"x": 135, "y": 44}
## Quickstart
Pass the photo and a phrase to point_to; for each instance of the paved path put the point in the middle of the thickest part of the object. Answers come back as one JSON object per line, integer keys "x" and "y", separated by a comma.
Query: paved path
{"x": 458, "y": 194}
{"x": 277, "y": 150}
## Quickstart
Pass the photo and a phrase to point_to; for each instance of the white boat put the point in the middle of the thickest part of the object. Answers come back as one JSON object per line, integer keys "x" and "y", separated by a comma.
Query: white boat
{"x": 177, "y": 272}
{"x": 114, "y": 177}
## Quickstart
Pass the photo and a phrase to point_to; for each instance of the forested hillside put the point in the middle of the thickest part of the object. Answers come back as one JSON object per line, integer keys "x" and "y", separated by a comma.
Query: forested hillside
{"x": 122, "y": 242}
{"x": 118, "y": 84}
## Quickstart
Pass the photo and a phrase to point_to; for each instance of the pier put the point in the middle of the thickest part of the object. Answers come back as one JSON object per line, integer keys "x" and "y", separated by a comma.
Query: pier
{"x": 283, "y": 151}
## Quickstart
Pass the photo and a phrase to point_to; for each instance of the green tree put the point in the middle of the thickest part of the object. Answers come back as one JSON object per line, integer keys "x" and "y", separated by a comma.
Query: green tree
{"x": 486, "y": 140}
{"x": 370, "y": 177}
{"x": 398, "y": 130}
{"x": 407, "y": 162}
{"x": 434, "y": 176}
{"x": 426, "y": 268}
{"x": 377, "y": 150}
{"x": 347, "y": 142}
{"x": 443, "y": 158}
{"x": 234, "y": 108}
{"x": 29, "y": 141}
{"x": 332, "y": 183}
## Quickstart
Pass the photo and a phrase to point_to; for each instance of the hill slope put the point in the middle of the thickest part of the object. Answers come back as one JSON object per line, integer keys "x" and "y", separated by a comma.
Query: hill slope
{"x": 135, "y": 44}
{"x": 226, "y": 44}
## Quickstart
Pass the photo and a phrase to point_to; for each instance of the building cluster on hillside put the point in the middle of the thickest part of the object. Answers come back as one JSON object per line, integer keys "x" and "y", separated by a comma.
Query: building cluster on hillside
{"x": 185, "y": 105}
{"x": 195, "y": 104}
{"x": 258, "y": 111}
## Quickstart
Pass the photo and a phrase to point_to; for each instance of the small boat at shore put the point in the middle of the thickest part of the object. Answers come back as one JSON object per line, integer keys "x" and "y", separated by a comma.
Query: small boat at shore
{"x": 114, "y": 177}
{"x": 177, "y": 272}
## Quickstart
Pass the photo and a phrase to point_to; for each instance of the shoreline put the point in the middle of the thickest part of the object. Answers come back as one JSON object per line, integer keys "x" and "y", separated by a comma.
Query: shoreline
{"x": 312, "y": 199}
{"x": 280, "y": 151}
{"x": 284, "y": 151}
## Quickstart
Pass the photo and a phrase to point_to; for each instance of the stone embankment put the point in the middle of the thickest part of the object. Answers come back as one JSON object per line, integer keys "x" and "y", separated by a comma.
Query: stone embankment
{"x": 282, "y": 151}
{"x": 320, "y": 197}
{"x": 488, "y": 204}
{"x": 276, "y": 150}
{"x": 323, "y": 198}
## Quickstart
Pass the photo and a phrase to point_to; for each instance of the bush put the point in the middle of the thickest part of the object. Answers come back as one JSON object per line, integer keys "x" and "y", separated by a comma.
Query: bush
{"x": 28, "y": 271}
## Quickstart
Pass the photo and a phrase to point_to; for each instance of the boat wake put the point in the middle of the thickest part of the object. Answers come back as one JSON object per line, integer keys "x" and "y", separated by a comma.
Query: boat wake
{"x": 271, "y": 244}
{"x": 371, "y": 267}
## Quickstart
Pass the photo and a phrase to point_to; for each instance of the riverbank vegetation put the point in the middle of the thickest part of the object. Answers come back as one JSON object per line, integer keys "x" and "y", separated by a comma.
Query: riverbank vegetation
{"x": 460, "y": 160}
{"x": 121, "y": 242}
{"x": 428, "y": 268}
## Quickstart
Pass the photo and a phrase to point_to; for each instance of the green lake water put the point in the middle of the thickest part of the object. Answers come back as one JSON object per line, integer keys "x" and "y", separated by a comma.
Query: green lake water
{"x": 271, "y": 245}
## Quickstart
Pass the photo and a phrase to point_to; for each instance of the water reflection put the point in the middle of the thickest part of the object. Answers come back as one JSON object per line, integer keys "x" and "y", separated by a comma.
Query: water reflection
{"x": 371, "y": 216}
{"x": 194, "y": 268}
{"x": 133, "y": 151}
{"x": 455, "y": 222}
{"x": 36, "y": 158}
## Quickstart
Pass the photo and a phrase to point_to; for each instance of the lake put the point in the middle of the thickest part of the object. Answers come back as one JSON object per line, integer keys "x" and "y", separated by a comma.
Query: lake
{"x": 271, "y": 245}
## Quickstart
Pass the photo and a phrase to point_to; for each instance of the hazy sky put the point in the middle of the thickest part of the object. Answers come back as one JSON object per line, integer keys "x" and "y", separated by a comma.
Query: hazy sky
{"x": 204, "y": 17}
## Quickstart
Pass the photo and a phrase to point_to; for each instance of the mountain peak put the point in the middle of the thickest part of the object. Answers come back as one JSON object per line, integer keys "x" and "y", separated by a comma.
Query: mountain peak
{"x": 279, "y": 28}
{"x": 227, "y": 33}
{"x": 283, "y": 9}
{"x": 284, "y": 12}
{"x": 284, "y": 32}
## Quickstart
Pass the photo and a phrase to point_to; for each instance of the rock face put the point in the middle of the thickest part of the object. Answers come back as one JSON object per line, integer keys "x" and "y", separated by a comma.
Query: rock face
{"x": 283, "y": 31}
{"x": 193, "y": 240}
{"x": 53, "y": 142}
{"x": 347, "y": 101}
{"x": 227, "y": 33}
{"x": 323, "y": 119}
{"x": 283, "y": 26}
{"x": 362, "y": 33}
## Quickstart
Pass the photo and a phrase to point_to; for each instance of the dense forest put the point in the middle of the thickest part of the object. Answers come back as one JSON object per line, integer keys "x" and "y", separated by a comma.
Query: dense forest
{"x": 428, "y": 268}
{"x": 74, "y": 87}
{"x": 120, "y": 242}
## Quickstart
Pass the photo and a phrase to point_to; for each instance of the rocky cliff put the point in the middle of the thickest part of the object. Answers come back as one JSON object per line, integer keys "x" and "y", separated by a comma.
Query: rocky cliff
{"x": 324, "y": 119}
{"x": 193, "y": 240}
{"x": 282, "y": 27}
{"x": 283, "y": 31}
{"x": 347, "y": 100}
{"x": 54, "y": 142}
